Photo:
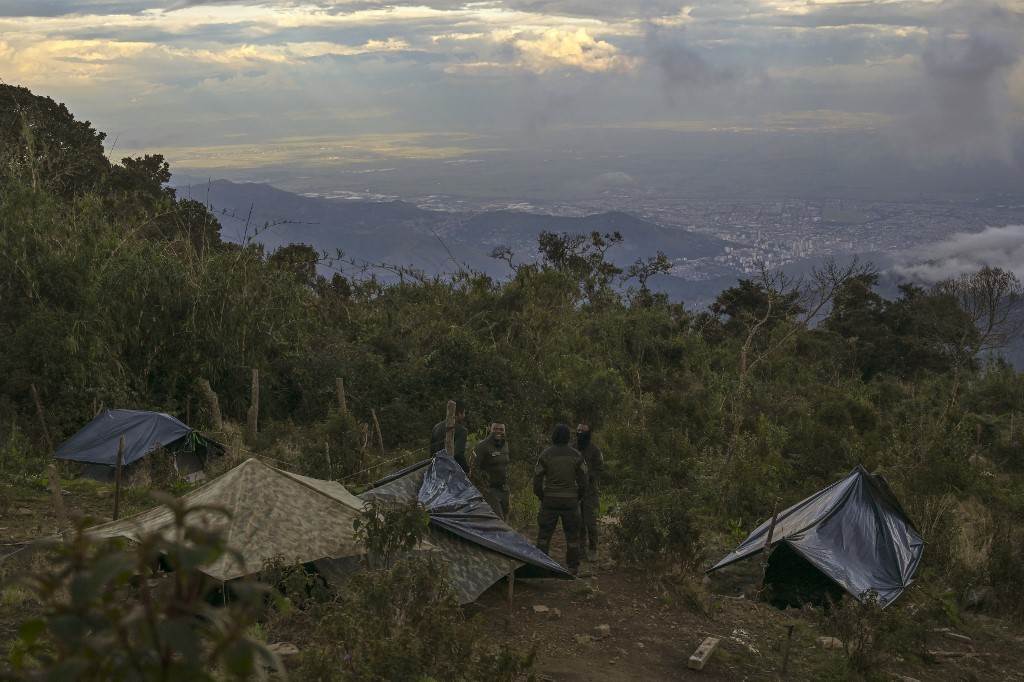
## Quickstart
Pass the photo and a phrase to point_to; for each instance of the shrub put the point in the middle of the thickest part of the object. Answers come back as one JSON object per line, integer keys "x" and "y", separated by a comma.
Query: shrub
{"x": 388, "y": 530}
{"x": 109, "y": 612}
{"x": 870, "y": 633}
{"x": 401, "y": 624}
{"x": 656, "y": 529}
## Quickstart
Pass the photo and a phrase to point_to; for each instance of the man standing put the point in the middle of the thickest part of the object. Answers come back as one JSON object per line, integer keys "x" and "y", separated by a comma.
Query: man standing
{"x": 490, "y": 468}
{"x": 560, "y": 481}
{"x": 461, "y": 434}
{"x": 591, "y": 503}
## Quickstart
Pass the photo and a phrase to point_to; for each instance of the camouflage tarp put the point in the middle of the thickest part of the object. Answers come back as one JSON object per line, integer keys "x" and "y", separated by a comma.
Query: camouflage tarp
{"x": 478, "y": 547}
{"x": 273, "y": 513}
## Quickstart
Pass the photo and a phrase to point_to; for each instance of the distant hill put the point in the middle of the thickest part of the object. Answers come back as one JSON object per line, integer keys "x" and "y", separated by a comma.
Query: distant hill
{"x": 399, "y": 233}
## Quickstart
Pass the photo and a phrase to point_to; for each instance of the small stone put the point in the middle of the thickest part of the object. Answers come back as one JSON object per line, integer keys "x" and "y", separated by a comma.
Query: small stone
{"x": 830, "y": 643}
{"x": 556, "y": 614}
{"x": 540, "y": 608}
{"x": 639, "y": 645}
{"x": 603, "y": 631}
{"x": 24, "y": 511}
{"x": 583, "y": 639}
{"x": 284, "y": 649}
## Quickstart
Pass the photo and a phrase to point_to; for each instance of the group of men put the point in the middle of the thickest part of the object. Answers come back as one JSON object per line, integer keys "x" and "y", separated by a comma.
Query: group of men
{"x": 565, "y": 480}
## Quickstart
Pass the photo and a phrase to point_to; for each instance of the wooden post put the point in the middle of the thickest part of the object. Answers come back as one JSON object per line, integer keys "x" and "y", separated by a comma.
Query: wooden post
{"x": 58, "y": 501}
{"x": 188, "y": 410}
{"x": 339, "y": 387}
{"x": 42, "y": 417}
{"x": 376, "y": 426}
{"x": 786, "y": 646}
{"x": 253, "y": 416}
{"x": 117, "y": 478}
{"x": 330, "y": 469}
{"x": 768, "y": 542}
{"x": 511, "y": 593}
{"x": 364, "y": 436}
{"x": 449, "y": 429}
{"x": 212, "y": 403}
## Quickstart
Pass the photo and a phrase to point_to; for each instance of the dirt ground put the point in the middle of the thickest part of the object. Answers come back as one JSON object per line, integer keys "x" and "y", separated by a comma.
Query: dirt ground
{"x": 653, "y": 632}
{"x": 653, "y": 624}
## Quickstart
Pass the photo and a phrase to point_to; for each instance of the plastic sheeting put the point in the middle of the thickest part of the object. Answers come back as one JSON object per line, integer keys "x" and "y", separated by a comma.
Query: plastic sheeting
{"x": 143, "y": 433}
{"x": 853, "y": 531}
{"x": 456, "y": 506}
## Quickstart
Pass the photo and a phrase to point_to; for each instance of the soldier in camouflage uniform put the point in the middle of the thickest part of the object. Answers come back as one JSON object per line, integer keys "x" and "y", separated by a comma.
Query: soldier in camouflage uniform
{"x": 560, "y": 481}
{"x": 490, "y": 469}
{"x": 591, "y": 503}
{"x": 461, "y": 435}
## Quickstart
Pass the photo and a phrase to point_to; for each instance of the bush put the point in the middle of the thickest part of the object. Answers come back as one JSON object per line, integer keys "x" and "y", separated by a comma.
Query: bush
{"x": 400, "y": 624}
{"x": 110, "y": 612}
{"x": 870, "y": 633}
{"x": 657, "y": 529}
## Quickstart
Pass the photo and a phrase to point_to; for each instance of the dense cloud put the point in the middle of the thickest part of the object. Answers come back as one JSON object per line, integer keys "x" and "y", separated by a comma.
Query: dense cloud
{"x": 997, "y": 247}
{"x": 946, "y": 77}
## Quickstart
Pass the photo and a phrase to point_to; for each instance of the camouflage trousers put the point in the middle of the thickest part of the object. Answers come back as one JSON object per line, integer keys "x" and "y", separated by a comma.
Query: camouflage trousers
{"x": 498, "y": 499}
{"x": 568, "y": 510}
{"x": 589, "y": 508}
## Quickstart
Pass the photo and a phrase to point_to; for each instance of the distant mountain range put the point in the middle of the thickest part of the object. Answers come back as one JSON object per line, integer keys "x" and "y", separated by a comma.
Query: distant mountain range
{"x": 436, "y": 242}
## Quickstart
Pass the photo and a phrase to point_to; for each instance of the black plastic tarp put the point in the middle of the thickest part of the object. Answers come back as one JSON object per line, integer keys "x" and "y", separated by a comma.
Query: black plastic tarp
{"x": 144, "y": 432}
{"x": 455, "y": 505}
{"x": 854, "y": 531}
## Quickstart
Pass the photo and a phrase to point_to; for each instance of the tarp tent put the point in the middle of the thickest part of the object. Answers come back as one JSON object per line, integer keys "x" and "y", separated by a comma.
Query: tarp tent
{"x": 273, "y": 513}
{"x": 96, "y": 444}
{"x": 477, "y": 545}
{"x": 854, "y": 532}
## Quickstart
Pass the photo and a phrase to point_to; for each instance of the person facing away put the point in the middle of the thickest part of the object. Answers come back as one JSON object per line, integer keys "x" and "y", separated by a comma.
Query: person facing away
{"x": 490, "y": 469}
{"x": 591, "y": 503}
{"x": 461, "y": 434}
{"x": 560, "y": 481}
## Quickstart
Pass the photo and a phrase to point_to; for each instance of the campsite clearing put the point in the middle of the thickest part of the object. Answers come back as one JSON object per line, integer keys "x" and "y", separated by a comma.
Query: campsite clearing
{"x": 656, "y": 623}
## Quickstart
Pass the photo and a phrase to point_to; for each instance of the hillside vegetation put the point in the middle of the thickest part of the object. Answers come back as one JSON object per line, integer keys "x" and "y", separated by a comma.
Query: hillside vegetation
{"x": 115, "y": 292}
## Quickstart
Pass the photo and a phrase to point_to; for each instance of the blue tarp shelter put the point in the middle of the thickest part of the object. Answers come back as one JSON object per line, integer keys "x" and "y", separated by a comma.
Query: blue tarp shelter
{"x": 854, "y": 532}
{"x": 97, "y": 442}
{"x": 479, "y": 547}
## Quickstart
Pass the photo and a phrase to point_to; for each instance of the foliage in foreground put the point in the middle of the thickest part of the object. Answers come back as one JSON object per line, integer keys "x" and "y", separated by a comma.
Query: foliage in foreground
{"x": 141, "y": 612}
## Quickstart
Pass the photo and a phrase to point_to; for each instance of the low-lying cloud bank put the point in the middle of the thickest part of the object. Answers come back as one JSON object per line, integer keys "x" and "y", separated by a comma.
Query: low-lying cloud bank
{"x": 997, "y": 247}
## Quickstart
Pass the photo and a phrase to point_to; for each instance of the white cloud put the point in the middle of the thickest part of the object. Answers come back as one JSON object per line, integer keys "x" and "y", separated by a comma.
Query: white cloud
{"x": 997, "y": 247}
{"x": 556, "y": 48}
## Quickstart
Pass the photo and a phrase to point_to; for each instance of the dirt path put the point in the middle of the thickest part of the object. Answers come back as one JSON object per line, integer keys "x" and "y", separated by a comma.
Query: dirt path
{"x": 655, "y": 627}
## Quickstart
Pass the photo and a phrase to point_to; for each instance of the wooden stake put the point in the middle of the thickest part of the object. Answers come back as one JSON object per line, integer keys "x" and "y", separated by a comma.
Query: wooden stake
{"x": 449, "y": 429}
{"x": 786, "y": 646}
{"x": 253, "y": 416}
{"x": 768, "y": 542}
{"x": 511, "y": 579}
{"x": 330, "y": 469}
{"x": 42, "y": 417}
{"x": 339, "y": 387}
{"x": 376, "y": 426}
{"x": 212, "y": 404}
{"x": 188, "y": 410}
{"x": 117, "y": 478}
{"x": 364, "y": 432}
{"x": 58, "y": 501}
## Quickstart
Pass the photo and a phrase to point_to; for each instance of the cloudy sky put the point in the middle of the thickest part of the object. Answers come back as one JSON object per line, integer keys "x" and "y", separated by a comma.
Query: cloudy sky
{"x": 259, "y": 81}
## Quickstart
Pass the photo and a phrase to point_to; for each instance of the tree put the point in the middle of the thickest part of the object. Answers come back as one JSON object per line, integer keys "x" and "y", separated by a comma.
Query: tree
{"x": 43, "y": 144}
{"x": 993, "y": 299}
